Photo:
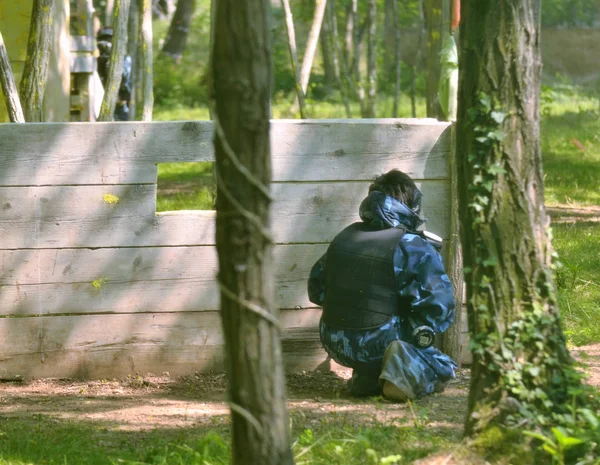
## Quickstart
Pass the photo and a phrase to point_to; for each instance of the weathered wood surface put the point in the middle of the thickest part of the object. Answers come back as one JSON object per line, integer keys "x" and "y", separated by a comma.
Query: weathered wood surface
{"x": 121, "y": 153}
{"x": 116, "y": 345}
{"x": 82, "y": 216}
{"x": 124, "y": 289}
{"x": 156, "y": 279}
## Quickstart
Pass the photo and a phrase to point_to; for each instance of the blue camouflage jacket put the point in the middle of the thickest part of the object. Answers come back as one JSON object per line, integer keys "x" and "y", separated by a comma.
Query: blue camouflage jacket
{"x": 420, "y": 276}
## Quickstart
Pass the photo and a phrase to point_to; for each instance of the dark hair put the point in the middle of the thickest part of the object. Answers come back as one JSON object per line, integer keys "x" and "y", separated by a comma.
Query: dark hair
{"x": 397, "y": 184}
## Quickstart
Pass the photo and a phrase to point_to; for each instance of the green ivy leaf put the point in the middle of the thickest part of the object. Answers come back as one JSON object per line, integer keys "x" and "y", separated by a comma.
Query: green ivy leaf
{"x": 498, "y": 116}
{"x": 496, "y": 169}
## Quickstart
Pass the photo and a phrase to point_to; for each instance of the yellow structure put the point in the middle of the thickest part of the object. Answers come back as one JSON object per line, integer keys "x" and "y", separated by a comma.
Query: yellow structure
{"x": 15, "y": 18}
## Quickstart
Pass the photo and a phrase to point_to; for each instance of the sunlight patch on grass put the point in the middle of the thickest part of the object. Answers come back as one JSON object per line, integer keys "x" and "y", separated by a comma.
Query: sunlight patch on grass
{"x": 578, "y": 281}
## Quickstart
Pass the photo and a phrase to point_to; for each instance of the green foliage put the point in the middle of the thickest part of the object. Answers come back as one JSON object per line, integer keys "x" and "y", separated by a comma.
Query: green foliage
{"x": 570, "y": 12}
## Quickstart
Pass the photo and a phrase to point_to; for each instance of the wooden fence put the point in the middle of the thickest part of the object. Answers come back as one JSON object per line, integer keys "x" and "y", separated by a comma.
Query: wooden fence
{"x": 94, "y": 283}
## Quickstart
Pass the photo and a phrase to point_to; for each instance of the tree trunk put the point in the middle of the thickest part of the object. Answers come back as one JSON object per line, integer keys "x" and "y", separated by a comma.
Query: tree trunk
{"x": 35, "y": 74}
{"x": 521, "y": 370}
{"x": 349, "y": 35}
{"x": 327, "y": 51}
{"x": 397, "y": 58}
{"x": 146, "y": 59}
{"x": 418, "y": 57}
{"x": 339, "y": 61}
{"x": 433, "y": 21}
{"x": 372, "y": 60}
{"x": 117, "y": 55}
{"x": 360, "y": 91}
{"x": 9, "y": 88}
{"x": 179, "y": 29}
{"x": 311, "y": 45}
{"x": 134, "y": 50}
{"x": 242, "y": 68}
{"x": 289, "y": 26}
{"x": 388, "y": 37}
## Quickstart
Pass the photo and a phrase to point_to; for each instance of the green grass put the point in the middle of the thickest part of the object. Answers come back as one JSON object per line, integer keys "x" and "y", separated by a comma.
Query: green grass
{"x": 330, "y": 440}
{"x": 578, "y": 280}
{"x": 570, "y": 140}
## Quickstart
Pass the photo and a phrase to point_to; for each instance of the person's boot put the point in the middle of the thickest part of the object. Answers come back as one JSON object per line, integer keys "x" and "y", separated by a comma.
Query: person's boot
{"x": 394, "y": 393}
{"x": 364, "y": 384}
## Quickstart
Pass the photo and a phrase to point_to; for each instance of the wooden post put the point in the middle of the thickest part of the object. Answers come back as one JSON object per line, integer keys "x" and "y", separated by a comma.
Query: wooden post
{"x": 11, "y": 95}
{"x": 35, "y": 75}
{"x": 115, "y": 71}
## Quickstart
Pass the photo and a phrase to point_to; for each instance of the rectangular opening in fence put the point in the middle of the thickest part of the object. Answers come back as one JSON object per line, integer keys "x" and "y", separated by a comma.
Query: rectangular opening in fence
{"x": 185, "y": 186}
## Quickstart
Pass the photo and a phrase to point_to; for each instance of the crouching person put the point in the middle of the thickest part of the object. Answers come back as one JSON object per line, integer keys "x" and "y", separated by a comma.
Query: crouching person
{"x": 385, "y": 295}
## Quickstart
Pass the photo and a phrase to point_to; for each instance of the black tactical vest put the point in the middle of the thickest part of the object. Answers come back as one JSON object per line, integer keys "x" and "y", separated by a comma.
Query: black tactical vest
{"x": 360, "y": 283}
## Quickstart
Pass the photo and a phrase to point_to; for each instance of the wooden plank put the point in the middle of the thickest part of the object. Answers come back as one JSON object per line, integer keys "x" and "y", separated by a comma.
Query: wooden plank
{"x": 70, "y": 204}
{"x": 319, "y": 150}
{"x": 70, "y": 266}
{"x": 135, "y": 280}
{"x": 83, "y": 64}
{"x": 82, "y": 44}
{"x": 302, "y": 213}
{"x": 116, "y": 345}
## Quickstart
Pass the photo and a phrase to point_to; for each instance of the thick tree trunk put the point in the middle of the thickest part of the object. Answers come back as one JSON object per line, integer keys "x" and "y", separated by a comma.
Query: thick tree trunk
{"x": 372, "y": 60}
{"x": 9, "y": 88}
{"x": 35, "y": 74}
{"x": 146, "y": 59}
{"x": 289, "y": 26}
{"x": 433, "y": 20}
{"x": 117, "y": 55}
{"x": 521, "y": 366}
{"x": 179, "y": 29}
{"x": 242, "y": 75}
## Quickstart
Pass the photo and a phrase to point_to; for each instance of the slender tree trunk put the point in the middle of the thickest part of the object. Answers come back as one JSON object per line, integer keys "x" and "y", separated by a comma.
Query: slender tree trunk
{"x": 388, "y": 38}
{"x": 521, "y": 366}
{"x": 146, "y": 59}
{"x": 117, "y": 55}
{"x": 289, "y": 26}
{"x": 418, "y": 58}
{"x": 349, "y": 34}
{"x": 108, "y": 12}
{"x": 9, "y": 88}
{"x": 433, "y": 19}
{"x": 35, "y": 74}
{"x": 179, "y": 29}
{"x": 327, "y": 50}
{"x": 242, "y": 67}
{"x": 397, "y": 58}
{"x": 372, "y": 60}
{"x": 339, "y": 61}
{"x": 134, "y": 50}
{"x": 356, "y": 57}
{"x": 311, "y": 45}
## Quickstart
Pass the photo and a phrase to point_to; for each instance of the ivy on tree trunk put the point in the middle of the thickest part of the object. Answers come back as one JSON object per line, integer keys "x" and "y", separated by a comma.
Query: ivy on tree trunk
{"x": 242, "y": 76}
{"x": 522, "y": 372}
{"x": 35, "y": 74}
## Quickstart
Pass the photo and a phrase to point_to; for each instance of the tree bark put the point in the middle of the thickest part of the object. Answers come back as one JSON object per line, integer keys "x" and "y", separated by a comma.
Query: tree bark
{"x": 117, "y": 55}
{"x": 242, "y": 76}
{"x": 388, "y": 36}
{"x": 9, "y": 88}
{"x": 521, "y": 365}
{"x": 179, "y": 30}
{"x": 146, "y": 59}
{"x": 372, "y": 60}
{"x": 418, "y": 57}
{"x": 433, "y": 21}
{"x": 397, "y": 58}
{"x": 289, "y": 26}
{"x": 35, "y": 74}
{"x": 311, "y": 45}
{"x": 134, "y": 50}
